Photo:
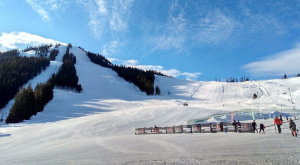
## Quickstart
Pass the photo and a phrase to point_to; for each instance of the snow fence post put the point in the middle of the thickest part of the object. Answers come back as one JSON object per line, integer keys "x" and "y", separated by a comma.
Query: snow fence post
{"x": 187, "y": 128}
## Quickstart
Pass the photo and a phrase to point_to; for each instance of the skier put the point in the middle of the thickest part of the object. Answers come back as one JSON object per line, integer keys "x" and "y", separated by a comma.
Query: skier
{"x": 293, "y": 127}
{"x": 278, "y": 122}
{"x": 262, "y": 127}
{"x": 221, "y": 126}
{"x": 235, "y": 126}
{"x": 254, "y": 127}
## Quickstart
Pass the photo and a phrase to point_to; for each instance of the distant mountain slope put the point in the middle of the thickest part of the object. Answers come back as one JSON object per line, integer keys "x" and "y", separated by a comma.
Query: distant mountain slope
{"x": 104, "y": 91}
{"x": 235, "y": 95}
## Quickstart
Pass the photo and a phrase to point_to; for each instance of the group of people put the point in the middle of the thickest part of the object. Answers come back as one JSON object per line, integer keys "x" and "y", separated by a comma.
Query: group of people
{"x": 236, "y": 125}
{"x": 292, "y": 126}
{"x": 278, "y": 122}
{"x": 261, "y": 127}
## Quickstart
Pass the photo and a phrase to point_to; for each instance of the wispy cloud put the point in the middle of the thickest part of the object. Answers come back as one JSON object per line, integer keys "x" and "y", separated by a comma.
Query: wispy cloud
{"x": 14, "y": 40}
{"x": 110, "y": 48}
{"x": 39, "y": 9}
{"x": 56, "y": 4}
{"x": 119, "y": 15}
{"x": 98, "y": 12}
{"x": 276, "y": 64}
{"x": 184, "y": 30}
{"x": 214, "y": 27}
{"x": 276, "y": 18}
{"x": 174, "y": 36}
{"x": 44, "y": 8}
{"x": 103, "y": 14}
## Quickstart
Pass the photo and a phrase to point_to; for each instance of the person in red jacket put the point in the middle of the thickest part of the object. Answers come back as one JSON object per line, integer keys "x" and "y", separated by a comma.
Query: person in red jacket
{"x": 278, "y": 122}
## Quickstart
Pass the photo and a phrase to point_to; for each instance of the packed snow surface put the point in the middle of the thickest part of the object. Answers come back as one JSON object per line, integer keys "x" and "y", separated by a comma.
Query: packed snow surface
{"x": 97, "y": 125}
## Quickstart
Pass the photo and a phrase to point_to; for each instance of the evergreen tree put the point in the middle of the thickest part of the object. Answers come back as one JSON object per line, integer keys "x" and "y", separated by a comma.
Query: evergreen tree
{"x": 24, "y": 106}
{"x": 157, "y": 90}
{"x": 53, "y": 54}
{"x": 15, "y": 71}
{"x": 284, "y": 77}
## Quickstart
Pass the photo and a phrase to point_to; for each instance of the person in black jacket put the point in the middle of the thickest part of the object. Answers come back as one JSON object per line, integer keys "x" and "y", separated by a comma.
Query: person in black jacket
{"x": 254, "y": 127}
{"x": 221, "y": 126}
{"x": 261, "y": 127}
{"x": 235, "y": 126}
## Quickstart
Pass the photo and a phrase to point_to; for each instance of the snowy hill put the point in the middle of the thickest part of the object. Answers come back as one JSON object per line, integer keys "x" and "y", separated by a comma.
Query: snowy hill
{"x": 97, "y": 125}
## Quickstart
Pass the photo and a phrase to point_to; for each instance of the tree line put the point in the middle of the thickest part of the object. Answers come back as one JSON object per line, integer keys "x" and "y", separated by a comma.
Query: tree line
{"x": 232, "y": 79}
{"x": 15, "y": 71}
{"x": 243, "y": 79}
{"x": 285, "y": 77}
{"x": 143, "y": 79}
{"x": 67, "y": 76}
{"x": 29, "y": 102}
{"x": 41, "y": 50}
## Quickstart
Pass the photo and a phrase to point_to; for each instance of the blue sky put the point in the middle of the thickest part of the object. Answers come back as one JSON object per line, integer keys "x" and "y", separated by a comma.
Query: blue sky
{"x": 193, "y": 39}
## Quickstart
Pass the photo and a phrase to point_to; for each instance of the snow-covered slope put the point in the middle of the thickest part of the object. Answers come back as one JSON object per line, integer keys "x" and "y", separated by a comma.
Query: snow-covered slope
{"x": 41, "y": 78}
{"x": 97, "y": 125}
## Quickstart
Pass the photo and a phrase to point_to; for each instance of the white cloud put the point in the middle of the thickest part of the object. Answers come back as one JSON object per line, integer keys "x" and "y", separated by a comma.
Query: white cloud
{"x": 39, "y": 9}
{"x": 15, "y": 39}
{"x": 114, "y": 60}
{"x": 277, "y": 64}
{"x": 183, "y": 29}
{"x": 214, "y": 28}
{"x": 43, "y": 8}
{"x": 110, "y": 48}
{"x": 103, "y": 14}
{"x": 170, "y": 72}
{"x": 190, "y": 76}
{"x": 98, "y": 12}
{"x": 131, "y": 62}
{"x": 174, "y": 36}
{"x": 119, "y": 14}
{"x": 101, "y": 6}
